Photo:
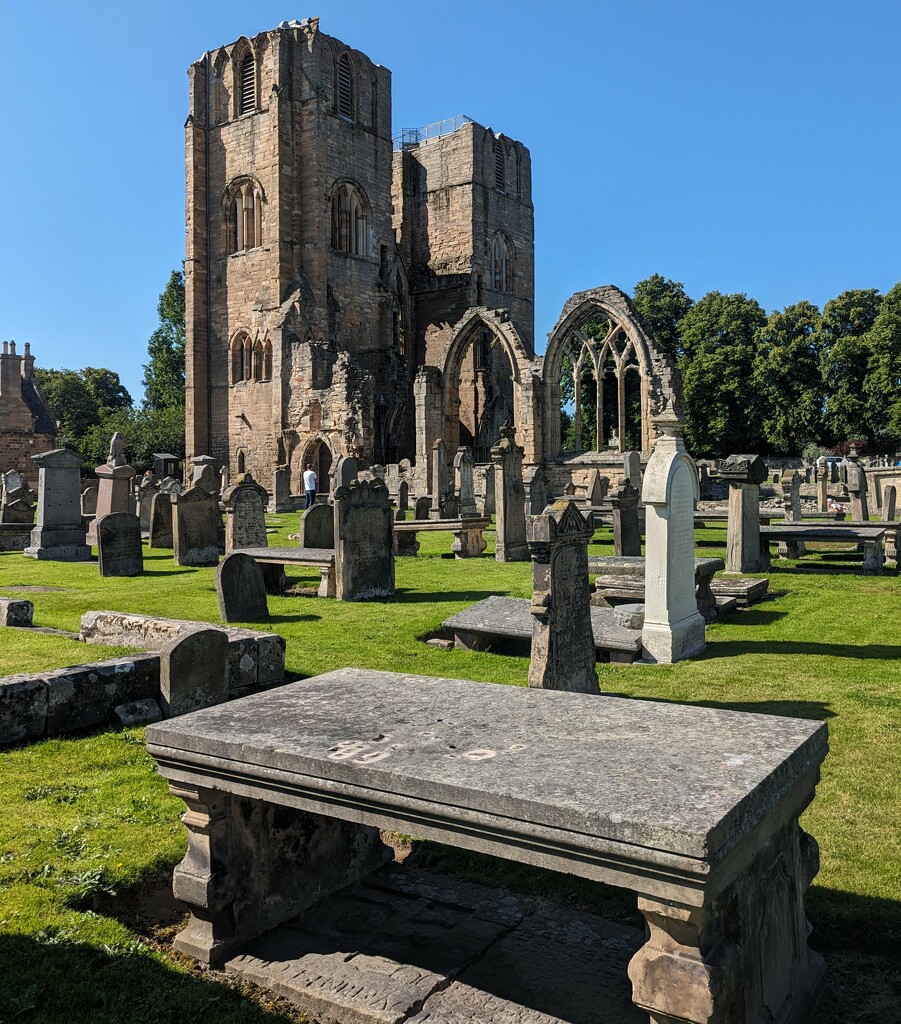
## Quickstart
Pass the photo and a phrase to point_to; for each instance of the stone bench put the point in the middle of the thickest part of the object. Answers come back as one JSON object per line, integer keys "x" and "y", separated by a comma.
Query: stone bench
{"x": 273, "y": 561}
{"x": 469, "y": 541}
{"x": 693, "y": 809}
{"x": 623, "y": 576}
{"x": 496, "y": 619}
{"x": 891, "y": 532}
{"x": 870, "y": 537}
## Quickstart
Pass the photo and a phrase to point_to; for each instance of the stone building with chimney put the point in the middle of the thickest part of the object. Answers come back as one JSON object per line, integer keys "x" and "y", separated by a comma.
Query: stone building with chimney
{"x": 27, "y": 424}
{"x": 352, "y": 291}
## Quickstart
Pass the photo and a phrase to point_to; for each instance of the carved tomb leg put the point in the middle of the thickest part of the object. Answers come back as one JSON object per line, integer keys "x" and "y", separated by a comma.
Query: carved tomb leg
{"x": 327, "y": 585}
{"x": 252, "y": 865}
{"x": 468, "y": 542}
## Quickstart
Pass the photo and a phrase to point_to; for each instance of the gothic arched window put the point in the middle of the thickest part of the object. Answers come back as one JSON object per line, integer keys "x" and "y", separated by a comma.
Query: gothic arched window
{"x": 245, "y": 217}
{"x": 350, "y": 221}
{"x": 241, "y": 365}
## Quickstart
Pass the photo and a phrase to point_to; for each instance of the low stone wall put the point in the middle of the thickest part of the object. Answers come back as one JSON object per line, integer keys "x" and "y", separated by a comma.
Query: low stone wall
{"x": 83, "y": 696}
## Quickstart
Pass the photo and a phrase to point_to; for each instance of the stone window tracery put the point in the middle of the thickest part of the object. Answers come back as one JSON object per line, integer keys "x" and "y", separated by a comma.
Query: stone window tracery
{"x": 245, "y": 217}
{"x": 350, "y": 221}
{"x": 501, "y": 263}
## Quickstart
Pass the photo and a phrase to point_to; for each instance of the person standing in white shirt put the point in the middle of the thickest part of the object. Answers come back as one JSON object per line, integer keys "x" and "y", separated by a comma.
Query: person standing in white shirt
{"x": 309, "y": 485}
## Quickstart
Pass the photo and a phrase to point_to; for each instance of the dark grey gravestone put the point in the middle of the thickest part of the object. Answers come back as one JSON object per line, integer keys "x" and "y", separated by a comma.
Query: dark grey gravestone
{"x": 196, "y": 527}
{"x": 563, "y": 653}
{"x": 364, "y": 541}
{"x": 509, "y": 498}
{"x": 148, "y": 489}
{"x": 241, "y": 589}
{"x": 16, "y": 612}
{"x": 317, "y": 527}
{"x": 119, "y": 545}
{"x": 626, "y": 527}
{"x": 245, "y": 515}
{"x": 422, "y": 507}
{"x": 464, "y": 484}
{"x": 193, "y": 671}
{"x": 160, "y": 527}
{"x": 857, "y": 488}
{"x": 889, "y": 493}
{"x": 403, "y": 496}
{"x": 535, "y": 485}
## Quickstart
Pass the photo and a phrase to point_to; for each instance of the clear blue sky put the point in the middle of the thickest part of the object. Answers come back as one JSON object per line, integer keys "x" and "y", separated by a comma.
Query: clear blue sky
{"x": 750, "y": 147}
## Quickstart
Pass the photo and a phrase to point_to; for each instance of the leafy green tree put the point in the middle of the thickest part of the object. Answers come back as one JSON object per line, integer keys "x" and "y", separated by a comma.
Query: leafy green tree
{"x": 108, "y": 391}
{"x": 73, "y": 402}
{"x": 164, "y": 374}
{"x": 661, "y": 304}
{"x": 845, "y": 352}
{"x": 722, "y": 413}
{"x": 882, "y": 385}
{"x": 787, "y": 381}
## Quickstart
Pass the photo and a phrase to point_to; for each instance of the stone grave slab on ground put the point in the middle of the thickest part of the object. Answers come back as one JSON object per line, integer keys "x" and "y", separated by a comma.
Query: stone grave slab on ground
{"x": 495, "y": 621}
{"x": 240, "y": 589}
{"x": 119, "y": 548}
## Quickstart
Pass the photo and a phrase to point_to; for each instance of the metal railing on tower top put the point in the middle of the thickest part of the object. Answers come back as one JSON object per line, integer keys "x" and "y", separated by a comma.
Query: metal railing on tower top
{"x": 413, "y": 136}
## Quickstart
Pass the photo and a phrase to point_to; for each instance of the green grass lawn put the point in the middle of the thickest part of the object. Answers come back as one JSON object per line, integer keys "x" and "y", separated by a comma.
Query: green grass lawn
{"x": 83, "y": 817}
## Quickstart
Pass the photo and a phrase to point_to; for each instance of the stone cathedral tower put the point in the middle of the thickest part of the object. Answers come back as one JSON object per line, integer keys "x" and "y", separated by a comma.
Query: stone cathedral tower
{"x": 325, "y": 269}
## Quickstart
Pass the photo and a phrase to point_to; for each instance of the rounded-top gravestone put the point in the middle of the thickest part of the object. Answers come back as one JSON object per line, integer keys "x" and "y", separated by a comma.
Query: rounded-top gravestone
{"x": 241, "y": 589}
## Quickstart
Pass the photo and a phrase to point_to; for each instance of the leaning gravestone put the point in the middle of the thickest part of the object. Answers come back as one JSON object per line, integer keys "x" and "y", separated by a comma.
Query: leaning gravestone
{"x": 464, "y": 484}
{"x": 160, "y": 527}
{"x": 626, "y": 527}
{"x": 194, "y": 671}
{"x": 364, "y": 541}
{"x": 673, "y": 627}
{"x": 58, "y": 534}
{"x": 241, "y": 589}
{"x": 17, "y": 512}
{"x": 119, "y": 545}
{"x": 510, "y": 498}
{"x": 317, "y": 527}
{"x": 196, "y": 525}
{"x": 563, "y": 649}
{"x": 422, "y": 507}
{"x": 744, "y": 474}
{"x": 245, "y": 515}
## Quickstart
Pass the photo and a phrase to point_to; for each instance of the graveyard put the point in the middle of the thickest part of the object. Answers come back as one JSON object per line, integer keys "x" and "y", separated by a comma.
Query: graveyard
{"x": 90, "y": 835}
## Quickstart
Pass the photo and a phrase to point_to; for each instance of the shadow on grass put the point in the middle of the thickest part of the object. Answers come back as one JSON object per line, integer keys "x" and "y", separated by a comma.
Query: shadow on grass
{"x": 814, "y": 710}
{"x": 862, "y": 652}
{"x": 405, "y": 595}
{"x": 51, "y": 980}
{"x": 756, "y": 616}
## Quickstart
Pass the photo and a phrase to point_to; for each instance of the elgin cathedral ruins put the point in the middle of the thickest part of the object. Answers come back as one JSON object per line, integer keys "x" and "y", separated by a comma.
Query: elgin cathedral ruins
{"x": 351, "y": 291}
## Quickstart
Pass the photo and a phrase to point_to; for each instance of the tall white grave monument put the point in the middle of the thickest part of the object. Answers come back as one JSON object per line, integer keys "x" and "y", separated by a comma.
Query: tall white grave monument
{"x": 673, "y": 626}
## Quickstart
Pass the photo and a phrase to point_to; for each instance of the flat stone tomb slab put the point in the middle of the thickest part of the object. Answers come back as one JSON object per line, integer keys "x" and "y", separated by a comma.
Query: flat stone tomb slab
{"x": 465, "y": 953}
{"x": 746, "y": 590}
{"x": 694, "y": 809}
{"x": 322, "y": 559}
{"x": 509, "y": 618}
